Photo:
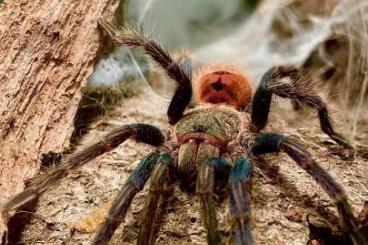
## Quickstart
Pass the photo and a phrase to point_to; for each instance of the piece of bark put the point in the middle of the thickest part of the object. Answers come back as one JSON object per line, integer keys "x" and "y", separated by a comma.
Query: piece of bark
{"x": 47, "y": 52}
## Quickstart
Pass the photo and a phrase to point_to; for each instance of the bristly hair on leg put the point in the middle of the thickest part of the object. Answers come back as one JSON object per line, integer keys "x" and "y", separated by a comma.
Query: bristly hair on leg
{"x": 303, "y": 93}
{"x": 132, "y": 38}
{"x": 274, "y": 143}
{"x": 140, "y": 132}
{"x": 178, "y": 71}
{"x": 301, "y": 90}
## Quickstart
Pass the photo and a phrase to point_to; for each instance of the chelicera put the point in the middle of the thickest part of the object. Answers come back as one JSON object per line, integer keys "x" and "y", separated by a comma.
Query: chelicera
{"x": 215, "y": 139}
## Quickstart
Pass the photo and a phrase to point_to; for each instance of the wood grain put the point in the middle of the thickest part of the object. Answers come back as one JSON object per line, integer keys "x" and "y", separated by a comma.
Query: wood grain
{"x": 47, "y": 52}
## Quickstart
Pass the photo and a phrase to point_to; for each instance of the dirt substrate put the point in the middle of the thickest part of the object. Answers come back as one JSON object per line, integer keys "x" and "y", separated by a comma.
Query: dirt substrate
{"x": 282, "y": 196}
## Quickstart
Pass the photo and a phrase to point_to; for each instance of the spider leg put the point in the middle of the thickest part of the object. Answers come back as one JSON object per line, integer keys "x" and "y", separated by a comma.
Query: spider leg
{"x": 204, "y": 189}
{"x": 300, "y": 92}
{"x": 204, "y": 185}
{"x": 140, "y": 132}
{"x": 268, "y": 143}
{"x": 160, "y": 189}
{"x": 178, "y": 71}
{"x": 120, "y": 205}
{"x": 239, "y": 187}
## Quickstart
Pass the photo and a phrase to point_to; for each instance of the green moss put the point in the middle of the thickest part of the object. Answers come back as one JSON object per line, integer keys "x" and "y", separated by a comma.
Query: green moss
{"x": 100, "y": 101}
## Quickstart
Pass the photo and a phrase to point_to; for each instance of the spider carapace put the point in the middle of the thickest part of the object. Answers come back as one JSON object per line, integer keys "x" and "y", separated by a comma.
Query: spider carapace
{"x": 215, "y": 139}
{"x": 222, "y": 84}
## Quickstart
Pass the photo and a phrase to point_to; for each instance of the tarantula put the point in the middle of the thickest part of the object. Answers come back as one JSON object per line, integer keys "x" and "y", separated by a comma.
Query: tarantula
{"x": 214, "y": 140}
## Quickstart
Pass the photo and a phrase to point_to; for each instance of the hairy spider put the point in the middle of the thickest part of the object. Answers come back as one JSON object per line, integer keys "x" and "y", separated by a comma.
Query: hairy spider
{"x": 215, "y": 139}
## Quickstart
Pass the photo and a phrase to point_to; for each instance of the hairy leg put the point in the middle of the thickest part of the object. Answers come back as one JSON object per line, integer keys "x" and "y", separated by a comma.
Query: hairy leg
{"x": 119, "y": 208}
{"x": 178, "y": 71}
{"x": 239, "y": 188}
{"x": 268, "y": 143}
{"x": 204, "y": 189}
{"x": 140, "y": 132}
{"x": 160, "y": 189}
{"x": 300, "y": 91}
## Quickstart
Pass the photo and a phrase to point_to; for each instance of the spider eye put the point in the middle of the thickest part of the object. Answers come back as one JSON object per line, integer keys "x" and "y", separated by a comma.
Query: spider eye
{"x": 217, "y": 85}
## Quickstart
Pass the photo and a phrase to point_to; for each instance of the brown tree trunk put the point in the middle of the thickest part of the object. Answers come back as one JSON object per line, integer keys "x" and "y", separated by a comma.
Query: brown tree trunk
{"x": 47, "y": 52}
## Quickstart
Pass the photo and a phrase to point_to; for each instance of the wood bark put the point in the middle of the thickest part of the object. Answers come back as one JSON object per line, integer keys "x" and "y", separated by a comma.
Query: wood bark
{"x": 47, "y": 52}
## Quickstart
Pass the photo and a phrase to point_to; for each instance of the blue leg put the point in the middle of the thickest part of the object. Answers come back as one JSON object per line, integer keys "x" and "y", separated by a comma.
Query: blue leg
{"x": 239, "y": 187}
{"x": 270, "y": 143}
{"x": 120, "y": 206}
{"x": 160, "y": 189}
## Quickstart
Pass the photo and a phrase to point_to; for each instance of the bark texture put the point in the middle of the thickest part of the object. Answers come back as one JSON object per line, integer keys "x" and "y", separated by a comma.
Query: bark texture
{"x": 47, "y": 52}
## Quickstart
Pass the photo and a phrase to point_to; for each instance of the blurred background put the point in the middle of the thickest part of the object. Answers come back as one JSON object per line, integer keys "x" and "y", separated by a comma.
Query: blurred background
{"x": 328, "y": 38}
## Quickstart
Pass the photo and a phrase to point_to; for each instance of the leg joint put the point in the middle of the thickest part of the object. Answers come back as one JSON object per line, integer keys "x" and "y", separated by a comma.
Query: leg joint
{"x": 267, "y": 143}
{"x": 241, "y": 171}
